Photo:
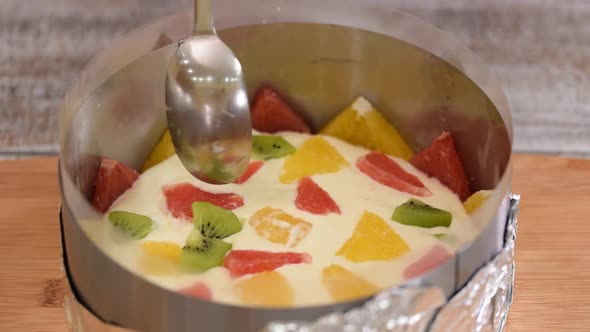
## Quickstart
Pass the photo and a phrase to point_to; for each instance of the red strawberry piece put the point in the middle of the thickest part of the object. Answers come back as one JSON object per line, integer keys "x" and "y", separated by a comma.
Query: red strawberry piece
{"x": 386, "y": 171}
{"x": 433, "y": 258}
{"x": 242, "y": 262}
{"x": 270, "y": 114}
{"x": 113, "y": 179}
{"x": 313, "y": 199}
{"x": 180, "y": 197}
{"x": 199, "y": 290}
{"x": 252, "y": 168}
{"x": 441, "y": 161}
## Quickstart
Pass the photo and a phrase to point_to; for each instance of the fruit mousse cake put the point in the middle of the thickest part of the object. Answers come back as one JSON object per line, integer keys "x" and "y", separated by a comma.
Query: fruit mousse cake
{"x": 315, "y": 219}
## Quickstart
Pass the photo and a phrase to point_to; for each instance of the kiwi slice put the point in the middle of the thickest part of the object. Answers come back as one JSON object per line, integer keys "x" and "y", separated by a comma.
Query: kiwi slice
{"x": 133, "y": 224}
{"x": 201, "y": 253}
{"x": 267, "y": 147}
{"x": 417, "y": 213}
{"x": 215, "y": 222}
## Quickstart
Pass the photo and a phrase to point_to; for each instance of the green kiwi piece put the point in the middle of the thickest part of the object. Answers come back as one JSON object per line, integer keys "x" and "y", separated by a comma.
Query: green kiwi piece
{"x": 417, "y": 213}
{"x": 215, "y": 222}
{"x": 201, "y": 253}
{"x": 267, "y": 147}
{"x": 133, "y": 224}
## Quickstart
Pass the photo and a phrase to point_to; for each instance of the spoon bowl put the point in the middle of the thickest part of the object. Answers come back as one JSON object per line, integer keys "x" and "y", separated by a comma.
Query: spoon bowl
{"x": 207, "y": 106}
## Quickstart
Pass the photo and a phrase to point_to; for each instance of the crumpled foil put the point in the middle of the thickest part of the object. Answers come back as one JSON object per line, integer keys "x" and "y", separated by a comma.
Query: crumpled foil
{"x": 481, "y": 306}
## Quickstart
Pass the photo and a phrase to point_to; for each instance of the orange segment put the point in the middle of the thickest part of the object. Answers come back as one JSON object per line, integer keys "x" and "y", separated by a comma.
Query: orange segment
{"x": 162, "y": 151}
{"x": 344, "y": 285}
{"x": 373, "y": 240}
{"x": 160, "y": 258}
{"x": 279, "y": 227}
{"x": 167, "y": 250}
{"x": 361, "y": 124}
{"x": 476, "y": 200}
{"x": 314, "y": 156}
{"x": 270, "y": 289}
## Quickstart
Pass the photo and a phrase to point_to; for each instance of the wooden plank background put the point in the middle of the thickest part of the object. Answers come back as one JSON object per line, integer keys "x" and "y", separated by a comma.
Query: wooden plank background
{"x": 539, "y": 49}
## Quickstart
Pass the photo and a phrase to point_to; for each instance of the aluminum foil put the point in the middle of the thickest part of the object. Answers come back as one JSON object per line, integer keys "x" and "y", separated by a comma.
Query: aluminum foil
{"x": 481, "y": 306}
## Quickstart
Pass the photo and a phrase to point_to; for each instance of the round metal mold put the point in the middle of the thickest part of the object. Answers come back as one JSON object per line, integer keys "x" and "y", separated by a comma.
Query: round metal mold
{"x": 321, "y": 55}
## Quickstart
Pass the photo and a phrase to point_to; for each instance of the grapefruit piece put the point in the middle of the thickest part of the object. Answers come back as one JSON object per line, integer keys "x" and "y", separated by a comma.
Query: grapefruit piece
{"x": 267, "y": 289}
{"x": 163, "y": 150}
{"x": 344, "y": 285}
{"x": 180, "y": 197}
{"x": 314, "y": 156}
{"x": 386, "y": 171}
{"x": 313, "y": 199}
{"x": 113, "y": 179}
{"x": 433, "y": 258}
{"x": 199, "y": 290}
{"x": 242, "y": 262}
{"x": 476, "y": 200}
{"x": 252, "y": 168}
{"x": 270, "y": 114}
{"x": 277, "y": 226}
{"x": 361, "y": 124}
{"x": 373, "y": 240}
{"x": 441, "y": 161}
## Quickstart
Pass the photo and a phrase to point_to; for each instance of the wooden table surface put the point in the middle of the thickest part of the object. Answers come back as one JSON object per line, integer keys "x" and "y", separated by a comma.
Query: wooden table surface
{"x": 552, "y": 258}
{"x": 539, "y": 49}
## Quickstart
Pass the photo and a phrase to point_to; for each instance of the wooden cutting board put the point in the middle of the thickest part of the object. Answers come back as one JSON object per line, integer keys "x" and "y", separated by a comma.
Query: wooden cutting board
{"x": 552, "y": 249}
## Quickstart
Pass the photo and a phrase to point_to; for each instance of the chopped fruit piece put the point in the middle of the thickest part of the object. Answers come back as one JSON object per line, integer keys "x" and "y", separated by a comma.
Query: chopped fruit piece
{"x": 314, "y": 156}
{"x": 133, "y": 224}
{"x": 476, "y": 200}
{"x": 361, "y": 124}
{"x": 180, "y": 197}
{"x": 373, "y": 240}
{"x": 344, "y": 285}
{"x": 166, "y": 250}
{"x": 114, "y": 178}
{"x": 161, "y": 258}
{"x": 268, "y": 289}
{"x": 215, "y": 222}
{"x": 158, "y": 266}
{"x": 242, "y": 262}
{"x": 313, "y": 199}
{"x": 441, "y": 161}
{"x": 199, "y": 290}
{"x": 433, "y": 258}
{"x": 417, "y": 213}
{"x": 252, "y": 168}
{"x": 270, "y": 114}
{"x": 201, "y": 253}
{"x": 162, "y": 151}
{"x": 279, "y": 227}
{"x": 267, "y": 147}
{"x": 386, "y": 171}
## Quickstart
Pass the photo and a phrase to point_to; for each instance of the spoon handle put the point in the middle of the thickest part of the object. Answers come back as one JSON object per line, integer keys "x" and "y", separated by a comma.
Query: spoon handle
{"x": 203, "y": 18}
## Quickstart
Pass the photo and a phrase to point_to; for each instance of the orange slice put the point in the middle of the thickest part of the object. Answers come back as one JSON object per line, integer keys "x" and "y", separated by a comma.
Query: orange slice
{"x": 373, "y": 240}
{"x": 344, "y": 285}
{"x": 314, "y": 156}
{"x": 361, "y": 124}
{"x": 268, "y": 289}
{"x": 277, "y": 226}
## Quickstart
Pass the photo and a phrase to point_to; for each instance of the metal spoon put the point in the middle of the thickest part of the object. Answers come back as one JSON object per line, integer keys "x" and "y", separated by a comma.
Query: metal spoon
{"x": 207, "y": 105}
